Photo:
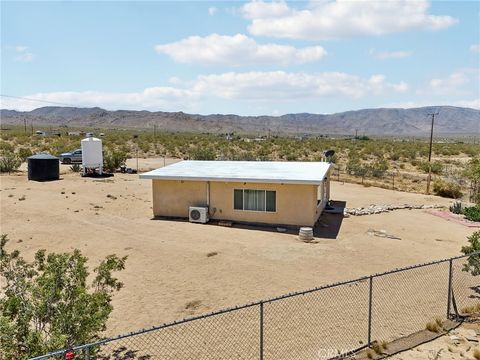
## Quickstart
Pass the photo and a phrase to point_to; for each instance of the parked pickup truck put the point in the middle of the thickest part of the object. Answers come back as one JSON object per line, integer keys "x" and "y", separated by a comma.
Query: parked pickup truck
{"x": 74, "y": 156}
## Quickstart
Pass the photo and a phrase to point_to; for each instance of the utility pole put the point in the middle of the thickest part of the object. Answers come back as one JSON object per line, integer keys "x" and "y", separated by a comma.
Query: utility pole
{"x": 430, "y": 153}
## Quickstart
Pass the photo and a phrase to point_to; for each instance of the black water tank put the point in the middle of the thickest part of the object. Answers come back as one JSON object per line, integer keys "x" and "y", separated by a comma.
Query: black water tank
{"x": 43, "y": 167}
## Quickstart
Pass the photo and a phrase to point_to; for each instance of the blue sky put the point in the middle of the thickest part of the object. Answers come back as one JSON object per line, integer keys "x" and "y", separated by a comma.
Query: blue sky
{"x": 249, "y": 58}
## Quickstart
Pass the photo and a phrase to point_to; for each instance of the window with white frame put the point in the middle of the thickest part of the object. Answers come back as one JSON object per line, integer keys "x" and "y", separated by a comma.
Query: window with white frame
{"x": 255, "y": 200}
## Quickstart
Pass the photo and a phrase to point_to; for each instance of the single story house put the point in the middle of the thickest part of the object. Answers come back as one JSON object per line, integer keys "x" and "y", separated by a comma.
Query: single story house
{"x": 261, "y": 192}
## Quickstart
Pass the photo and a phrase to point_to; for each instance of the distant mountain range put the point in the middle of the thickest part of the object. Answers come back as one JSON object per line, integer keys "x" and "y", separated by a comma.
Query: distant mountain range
{"x": 450, "y": 121}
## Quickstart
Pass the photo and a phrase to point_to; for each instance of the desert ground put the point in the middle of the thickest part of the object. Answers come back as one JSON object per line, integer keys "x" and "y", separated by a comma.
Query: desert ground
{"x": 456, "y": 345}
{"x": 177, "y": 269}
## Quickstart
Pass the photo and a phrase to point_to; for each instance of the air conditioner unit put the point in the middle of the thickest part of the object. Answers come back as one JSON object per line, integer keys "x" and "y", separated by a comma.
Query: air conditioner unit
{"x": 198, "y": 214}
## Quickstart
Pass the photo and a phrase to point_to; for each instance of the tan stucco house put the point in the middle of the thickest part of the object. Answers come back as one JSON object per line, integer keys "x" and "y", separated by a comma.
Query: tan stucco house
{"x": 261, "y": 192}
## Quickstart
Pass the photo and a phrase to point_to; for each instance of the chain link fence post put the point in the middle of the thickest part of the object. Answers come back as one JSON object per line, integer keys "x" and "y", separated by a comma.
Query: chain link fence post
{"x": 370, "y": 293}
{"x": 261, "y": 330}
{"x": 449, "y": 297}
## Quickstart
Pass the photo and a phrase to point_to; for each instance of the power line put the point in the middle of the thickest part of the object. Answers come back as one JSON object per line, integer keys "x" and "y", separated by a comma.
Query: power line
{"x": 38, "y": 100}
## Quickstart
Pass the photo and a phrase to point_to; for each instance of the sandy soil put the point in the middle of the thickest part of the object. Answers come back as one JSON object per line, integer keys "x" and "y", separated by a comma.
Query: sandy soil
{"x": 458, "y": 344}
{"x": 169, "y": 274}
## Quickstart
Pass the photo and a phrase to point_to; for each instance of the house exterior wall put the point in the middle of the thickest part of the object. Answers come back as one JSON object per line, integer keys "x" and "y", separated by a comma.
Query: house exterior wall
{"x": 173, "y": 197}
{"x": 295, "y": 204}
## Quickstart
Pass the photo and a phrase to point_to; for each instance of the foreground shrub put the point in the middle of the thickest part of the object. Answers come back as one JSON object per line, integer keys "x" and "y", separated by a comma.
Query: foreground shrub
{"x": 447, "y": 189}
{"x": 473, "y": 262}
{"x": 9, "y": 162}
{"x": 472, "y": 213}
{"x": 48, "y": 305}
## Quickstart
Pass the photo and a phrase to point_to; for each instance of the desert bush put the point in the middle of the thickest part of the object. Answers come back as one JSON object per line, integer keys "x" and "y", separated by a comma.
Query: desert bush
{"x": 9, "y": 161}
{"x": 472, "y": 309}
{"x": 472, "y": 173}
{"x": 436, "y": 166}
{"x": 472, "y": 213}
{"x": 24, "y": 153}
{"x": 5, "y": 146}
{"x": 112, "y": 160}
{"x": 48, "y": 303}
{"x": 378, "y": 168}
{"x": 202, "y": 153}
{"x": 394, "y": 156}
{"x": 355, "y": 167}
{"x": 473, "y": 262}
{"x": 433, "y": 326}
{"x": 447, "y": 189}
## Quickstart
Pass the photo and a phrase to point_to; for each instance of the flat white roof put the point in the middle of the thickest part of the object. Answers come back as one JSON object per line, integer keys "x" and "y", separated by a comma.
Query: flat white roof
{"x": 287, "y": 172}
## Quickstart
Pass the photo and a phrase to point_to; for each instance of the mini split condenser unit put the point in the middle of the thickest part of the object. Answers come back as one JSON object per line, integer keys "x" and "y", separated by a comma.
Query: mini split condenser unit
{"x": 198, "y": 214}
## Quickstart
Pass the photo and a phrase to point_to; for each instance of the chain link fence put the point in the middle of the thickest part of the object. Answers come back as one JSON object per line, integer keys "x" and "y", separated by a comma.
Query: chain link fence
{"x": 331, "y": 321}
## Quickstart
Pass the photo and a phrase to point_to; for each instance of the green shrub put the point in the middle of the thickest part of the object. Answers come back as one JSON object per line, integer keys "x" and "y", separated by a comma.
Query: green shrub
{"x": 447, "y": 189}
{"x": 24, "y": 153}
{"x": 473, "y": 262}
{"x": 48, "y": 303}
{"x": 436, "y": 166}
{"x": 378, "y": 168}
{"x": 113, "y": 160}
{"x": 472, "y": 213}
{"x": 9, "y": 162}
{"x": 202, "y": 153}
{"x": 4, "y": 146}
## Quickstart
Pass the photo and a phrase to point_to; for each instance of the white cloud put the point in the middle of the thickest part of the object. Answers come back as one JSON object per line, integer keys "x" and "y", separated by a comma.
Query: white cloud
{"x": 212, "y": 10}
{"x": 324, "y": 20}
{"x": 274, "y": 86}
{"x": 383, "y": 55}
{"x": 456, "y": 83}
{"x": 22, "y": 54}
{"x": 475, "y": 48}
{"x": 237, "y": 50}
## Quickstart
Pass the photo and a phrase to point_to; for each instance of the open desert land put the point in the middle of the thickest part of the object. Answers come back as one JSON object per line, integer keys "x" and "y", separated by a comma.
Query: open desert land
{"x": 177, "y": 269}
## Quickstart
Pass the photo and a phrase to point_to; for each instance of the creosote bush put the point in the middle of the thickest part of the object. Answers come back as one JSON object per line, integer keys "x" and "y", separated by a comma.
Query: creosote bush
{"x": 9, "y": 161}
{"x": 472, "y": 213}
{"x": 473, "y": 262}
{"x": 49, "y": 305}
{"x": 447, "y": 189}
{"x": 112, "y": 160}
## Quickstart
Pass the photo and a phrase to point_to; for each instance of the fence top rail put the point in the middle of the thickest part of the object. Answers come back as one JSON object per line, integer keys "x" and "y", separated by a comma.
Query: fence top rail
{"x": 249, "y": 305}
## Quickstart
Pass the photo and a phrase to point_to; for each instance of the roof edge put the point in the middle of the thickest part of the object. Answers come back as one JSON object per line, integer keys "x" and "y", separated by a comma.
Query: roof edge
{"x": 236, "y": 180}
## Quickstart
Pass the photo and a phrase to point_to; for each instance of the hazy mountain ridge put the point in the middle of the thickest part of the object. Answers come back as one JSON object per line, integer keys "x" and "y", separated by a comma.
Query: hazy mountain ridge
{"x": 383, "y": 121}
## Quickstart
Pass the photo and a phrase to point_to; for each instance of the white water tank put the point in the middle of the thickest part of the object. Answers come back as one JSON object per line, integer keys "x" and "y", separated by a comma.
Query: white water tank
{"x": 92, "y": 155}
